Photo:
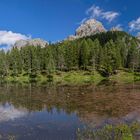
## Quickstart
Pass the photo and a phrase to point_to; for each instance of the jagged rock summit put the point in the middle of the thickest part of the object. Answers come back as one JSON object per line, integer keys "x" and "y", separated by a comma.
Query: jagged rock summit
{"x": 114, "y": 29}
{"x": 88, "y": 28}
{"x": 31, "y": 42}
{"x": 138, "y": 37}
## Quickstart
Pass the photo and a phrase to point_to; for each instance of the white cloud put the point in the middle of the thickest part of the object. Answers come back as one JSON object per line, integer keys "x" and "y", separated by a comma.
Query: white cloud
{"x": 97, "y": 12}
{"x": 82, "y": 21}
{"x": 94, "y": 11}
{"x": 9, "y": 112}
{"x": 110, "y": 16}
{"x": 8, "y": 38}
{"x": 135, "y": 25}
{"x": 118, "y": 27}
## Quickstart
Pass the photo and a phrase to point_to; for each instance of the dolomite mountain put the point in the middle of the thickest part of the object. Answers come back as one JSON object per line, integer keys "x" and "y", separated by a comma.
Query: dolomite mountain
{"x": 138, "y": 37}
{"x": 113, "y": 29}
{"x": 31, "y": 42}
{"x": 89, "y": 27}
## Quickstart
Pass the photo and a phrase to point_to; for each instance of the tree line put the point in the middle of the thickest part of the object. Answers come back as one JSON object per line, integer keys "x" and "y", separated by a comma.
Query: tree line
{"x": 105, "y": 52}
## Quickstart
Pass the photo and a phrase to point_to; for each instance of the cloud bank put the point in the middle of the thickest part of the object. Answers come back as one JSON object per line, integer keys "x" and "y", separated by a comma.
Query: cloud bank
{"x": 118, "y": 27}
{"x": 98, "y": 13}
{"x": 134, "y": 25}
{"x": 8, "y": 38}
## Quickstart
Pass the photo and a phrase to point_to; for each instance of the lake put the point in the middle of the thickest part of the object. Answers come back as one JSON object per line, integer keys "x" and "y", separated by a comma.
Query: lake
{"x": 56, "y": 112}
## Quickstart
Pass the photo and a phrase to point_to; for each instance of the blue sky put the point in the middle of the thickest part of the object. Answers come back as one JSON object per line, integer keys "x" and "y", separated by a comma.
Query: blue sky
{"x": 54, "y": 20}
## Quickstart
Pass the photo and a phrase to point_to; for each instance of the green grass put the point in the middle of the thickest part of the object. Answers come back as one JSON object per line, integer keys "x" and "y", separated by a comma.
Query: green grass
{"x": 110, "y": 132}
{"x": 76, "y": 77}
{"x": 72, "y": 77}
{"x": 20, "y": 78}
{"x": 123, "y": 77}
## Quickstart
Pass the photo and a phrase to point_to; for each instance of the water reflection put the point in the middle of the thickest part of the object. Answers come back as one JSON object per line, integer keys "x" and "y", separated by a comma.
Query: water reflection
{"x": 95, "y": 120}
{"x": 9, "y": 112}
{"x": 66, "y": 108}
{"x": 101, "y": 102}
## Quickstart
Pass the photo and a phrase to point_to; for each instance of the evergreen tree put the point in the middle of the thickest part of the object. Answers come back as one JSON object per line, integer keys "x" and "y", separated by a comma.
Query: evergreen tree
{"x": 50, "y": 62}
{"x": 106, "y": 52}
{"x": 83, "y": 55}
{"x": 16, "y": 62}
{"x": 60, "y": 52}
{"x": 3, "y": 65}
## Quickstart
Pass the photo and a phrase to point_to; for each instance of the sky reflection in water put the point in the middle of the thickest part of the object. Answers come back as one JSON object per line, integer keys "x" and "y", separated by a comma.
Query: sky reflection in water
{"x": 9, "y": 112}
{"x": 57, "y": 112}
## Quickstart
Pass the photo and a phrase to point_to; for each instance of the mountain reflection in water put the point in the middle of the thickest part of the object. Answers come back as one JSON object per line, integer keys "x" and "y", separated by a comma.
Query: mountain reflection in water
{"x": 41, "y": 112}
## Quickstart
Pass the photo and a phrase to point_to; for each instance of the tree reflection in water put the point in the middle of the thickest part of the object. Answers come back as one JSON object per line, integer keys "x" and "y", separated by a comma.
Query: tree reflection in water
{"x": 94, "y": 106}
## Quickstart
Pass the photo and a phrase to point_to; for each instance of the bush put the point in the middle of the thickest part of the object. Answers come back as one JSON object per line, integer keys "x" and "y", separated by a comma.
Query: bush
{"x": 50, "y": 78}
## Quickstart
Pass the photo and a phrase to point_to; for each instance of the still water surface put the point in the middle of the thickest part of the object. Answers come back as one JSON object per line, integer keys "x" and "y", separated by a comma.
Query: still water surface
{"x": 56, "y": 112}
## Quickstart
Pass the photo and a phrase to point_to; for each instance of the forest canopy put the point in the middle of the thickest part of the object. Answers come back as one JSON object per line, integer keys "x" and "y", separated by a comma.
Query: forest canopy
{"x": 104, "y": 52}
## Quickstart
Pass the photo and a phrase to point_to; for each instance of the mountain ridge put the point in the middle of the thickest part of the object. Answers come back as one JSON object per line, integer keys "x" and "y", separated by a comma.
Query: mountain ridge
{"x": 31, "y": 42}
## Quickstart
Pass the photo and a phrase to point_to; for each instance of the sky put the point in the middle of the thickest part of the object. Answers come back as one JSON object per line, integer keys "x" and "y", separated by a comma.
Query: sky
{"x": 54, "y": 20}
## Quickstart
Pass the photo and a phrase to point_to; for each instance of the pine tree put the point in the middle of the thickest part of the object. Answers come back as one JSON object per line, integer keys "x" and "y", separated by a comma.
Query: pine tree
{"x": 83, "y": 55}
{"x": 50, "y": 62}
{"x": 16, "y": 62}
{"x": 132, "y": 59}
{"x": 3, "y": 65}
{"x": 60, "y": 50}
{"x": 69, "y": 57}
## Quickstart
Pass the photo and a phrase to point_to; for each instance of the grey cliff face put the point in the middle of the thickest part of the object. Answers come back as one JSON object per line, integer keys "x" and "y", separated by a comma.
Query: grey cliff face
{"x": 72, "y": 37}
{"x": 32, "y": 42}
{"x": 88, "y": 28}
{"x": 20, "y": 43}
{"x": 138, "y": 37}
{"x": 114, "y": 29}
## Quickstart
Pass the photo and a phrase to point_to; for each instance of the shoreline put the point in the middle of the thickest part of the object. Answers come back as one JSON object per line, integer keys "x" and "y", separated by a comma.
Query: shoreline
{"x": 75, "y": 78}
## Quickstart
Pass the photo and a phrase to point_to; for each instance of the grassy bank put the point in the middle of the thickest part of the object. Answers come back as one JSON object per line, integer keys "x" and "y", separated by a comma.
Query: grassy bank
{"x": 123, "y": 77}
{"x": 76, "y": 77}
{"x": 72, "y": 77}
{"x": 110, "y": 132}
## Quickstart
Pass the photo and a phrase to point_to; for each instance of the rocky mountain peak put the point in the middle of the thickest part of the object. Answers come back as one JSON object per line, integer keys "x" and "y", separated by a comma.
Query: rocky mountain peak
{"x": 113, "y": 29}
{"x": 88, "y": 28}
{"x": 31, "y": 42}
{"x": 138, "y": 37}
